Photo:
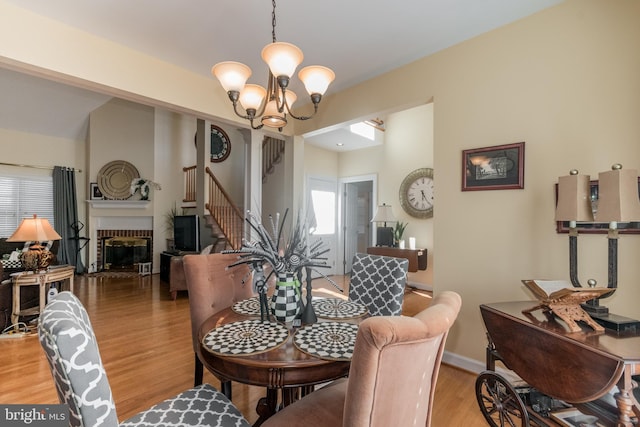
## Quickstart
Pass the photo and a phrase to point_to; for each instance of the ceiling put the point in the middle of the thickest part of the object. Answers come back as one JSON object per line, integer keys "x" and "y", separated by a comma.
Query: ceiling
{"x": 357, "y": 39}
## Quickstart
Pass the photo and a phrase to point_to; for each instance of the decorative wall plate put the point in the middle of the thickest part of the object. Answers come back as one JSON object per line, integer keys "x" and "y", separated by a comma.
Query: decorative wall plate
{"x": 114, "y": 179}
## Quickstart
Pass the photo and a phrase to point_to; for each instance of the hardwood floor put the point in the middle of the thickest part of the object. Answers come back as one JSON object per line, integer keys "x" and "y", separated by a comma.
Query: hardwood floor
{"x": 145, "y": 343}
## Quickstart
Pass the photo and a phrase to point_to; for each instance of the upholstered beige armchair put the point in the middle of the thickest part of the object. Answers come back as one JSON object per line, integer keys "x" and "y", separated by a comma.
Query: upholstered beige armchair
{"x": 392, "y": 378}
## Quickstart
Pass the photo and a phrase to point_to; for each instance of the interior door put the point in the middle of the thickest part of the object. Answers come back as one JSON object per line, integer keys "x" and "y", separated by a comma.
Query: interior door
{"x": 356, "y": 215}
{"x": 322, "y": 200}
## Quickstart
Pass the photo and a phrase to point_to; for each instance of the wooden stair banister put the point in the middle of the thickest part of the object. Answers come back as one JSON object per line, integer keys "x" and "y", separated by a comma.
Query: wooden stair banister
{"x": 224, "y": 212}
{"x": 189, "y": 184}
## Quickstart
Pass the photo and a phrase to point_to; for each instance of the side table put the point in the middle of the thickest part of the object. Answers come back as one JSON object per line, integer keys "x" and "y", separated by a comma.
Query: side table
{"x": 42, "y": 279}
{"x": 417, "y": 257}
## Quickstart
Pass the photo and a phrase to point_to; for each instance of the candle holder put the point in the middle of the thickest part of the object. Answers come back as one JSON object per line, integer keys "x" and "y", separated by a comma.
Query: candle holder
{"x": 308, "y": 314}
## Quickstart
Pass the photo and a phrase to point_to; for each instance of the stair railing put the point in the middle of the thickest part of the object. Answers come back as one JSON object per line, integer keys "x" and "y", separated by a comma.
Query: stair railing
{"x": 224, "y": 212}
{"x": 189, "y": 184}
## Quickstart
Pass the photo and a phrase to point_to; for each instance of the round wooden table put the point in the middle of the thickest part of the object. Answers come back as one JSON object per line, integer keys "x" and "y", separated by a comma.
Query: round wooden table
{"x": 283, "y": 368}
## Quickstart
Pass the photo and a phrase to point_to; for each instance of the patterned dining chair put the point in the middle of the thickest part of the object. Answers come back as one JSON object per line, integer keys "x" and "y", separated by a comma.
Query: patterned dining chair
{"x": 378, "y": 283}
{"x": 392, "y": 378}
{"x": 68, "y": 340}
{"x": 213, "y": 287}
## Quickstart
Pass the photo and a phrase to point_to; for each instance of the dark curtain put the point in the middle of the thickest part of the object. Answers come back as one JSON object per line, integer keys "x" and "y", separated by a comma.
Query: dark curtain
{"x": 65, "y": 211}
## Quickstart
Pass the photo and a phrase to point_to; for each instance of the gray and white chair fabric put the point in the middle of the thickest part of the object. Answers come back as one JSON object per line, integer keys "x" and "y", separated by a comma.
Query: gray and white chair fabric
{"x": 378, "y": 282}
{"x": 67, "y": 337}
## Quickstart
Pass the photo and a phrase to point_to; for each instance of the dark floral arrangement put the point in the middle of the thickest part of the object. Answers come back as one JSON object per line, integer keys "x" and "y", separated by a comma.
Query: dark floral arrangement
{"x": 287, "y": 258}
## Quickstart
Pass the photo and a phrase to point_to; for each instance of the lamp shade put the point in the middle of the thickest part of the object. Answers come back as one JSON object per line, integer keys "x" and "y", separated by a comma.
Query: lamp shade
{"x": 384, "y": 214}
{"x": 232, "y": 75}
{"x": 316, "y": 78}
{"x": 618, "y": 195}
{"x": 34, "y": 230}
{"x": 252, "y": 96}
{"x": 574, "y": 198}
{"x": 272, "y": 117}
{"x": 282, "y": 58}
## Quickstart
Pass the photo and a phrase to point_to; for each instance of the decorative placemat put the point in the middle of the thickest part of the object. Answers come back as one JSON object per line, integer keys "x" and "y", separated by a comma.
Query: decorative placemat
{"x": 245, "y": 337}
{"x": 327, "y": 340}
{"x": 114, "y": 179}
{"x": 336, "y": 308}
{"x": 248, "y": 307}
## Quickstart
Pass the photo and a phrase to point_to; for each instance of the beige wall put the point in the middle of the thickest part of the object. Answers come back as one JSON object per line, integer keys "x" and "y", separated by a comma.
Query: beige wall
{"x": 32, "y": 149}
{"x": 566, "y": 82}
{"x": 408, "y": 145}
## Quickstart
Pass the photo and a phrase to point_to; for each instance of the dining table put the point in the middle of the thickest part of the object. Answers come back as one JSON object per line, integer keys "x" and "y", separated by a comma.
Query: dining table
{"x": 235, "y": 344}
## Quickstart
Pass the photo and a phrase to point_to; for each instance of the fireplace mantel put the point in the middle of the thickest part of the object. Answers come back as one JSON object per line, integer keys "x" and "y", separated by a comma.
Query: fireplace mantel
{"x": 119, "y": 204}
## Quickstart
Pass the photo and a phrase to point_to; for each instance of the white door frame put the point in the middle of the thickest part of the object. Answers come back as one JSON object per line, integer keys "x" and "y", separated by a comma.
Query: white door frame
{"x": 341, "y": 221}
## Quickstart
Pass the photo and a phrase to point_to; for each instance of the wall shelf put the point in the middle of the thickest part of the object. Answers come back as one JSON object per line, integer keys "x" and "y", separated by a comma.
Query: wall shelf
{"x": 119, "y": 204}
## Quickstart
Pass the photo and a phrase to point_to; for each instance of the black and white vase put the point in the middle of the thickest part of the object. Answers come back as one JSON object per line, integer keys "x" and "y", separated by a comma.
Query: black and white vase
{"x": 285, "y": 302}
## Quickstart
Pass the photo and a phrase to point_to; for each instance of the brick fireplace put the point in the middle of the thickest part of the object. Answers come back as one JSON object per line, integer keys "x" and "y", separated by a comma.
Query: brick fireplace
{"x": 127, "y": 238}
{"x": 123, "y": 249}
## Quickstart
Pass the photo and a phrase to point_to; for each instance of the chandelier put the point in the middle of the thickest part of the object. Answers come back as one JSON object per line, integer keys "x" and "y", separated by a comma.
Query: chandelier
{"x": 272, "y": 105}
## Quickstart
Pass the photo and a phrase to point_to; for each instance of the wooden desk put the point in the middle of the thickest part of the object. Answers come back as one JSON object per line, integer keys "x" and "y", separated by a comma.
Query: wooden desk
{"x": 417, "y": 257}
{"x": 43, "y": 279}
{"x": 283, "y": 368}
{"x": 577, "y": 367}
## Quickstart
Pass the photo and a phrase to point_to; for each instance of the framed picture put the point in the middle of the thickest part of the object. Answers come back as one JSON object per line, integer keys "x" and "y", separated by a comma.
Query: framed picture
{"x": 94, "y": 192}
{"x": 597, "y": 227}
{"x": 500, "y": 167}
{"x": 573, "y": 418}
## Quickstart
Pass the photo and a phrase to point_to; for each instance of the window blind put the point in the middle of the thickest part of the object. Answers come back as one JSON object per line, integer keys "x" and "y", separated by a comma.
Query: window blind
{"x": 21, "y": 197}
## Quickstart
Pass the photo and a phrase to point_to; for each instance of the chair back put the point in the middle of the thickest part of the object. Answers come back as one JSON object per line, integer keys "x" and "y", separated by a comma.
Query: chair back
{"x": 395, "y": 366}
{"x": 70, "y": 345}
{"x": 378, "y": 282}
{"x": 213, "y": 287}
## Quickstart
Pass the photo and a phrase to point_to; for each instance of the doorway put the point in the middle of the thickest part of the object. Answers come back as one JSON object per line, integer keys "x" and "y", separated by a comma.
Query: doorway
{"x": 356, "y": 213}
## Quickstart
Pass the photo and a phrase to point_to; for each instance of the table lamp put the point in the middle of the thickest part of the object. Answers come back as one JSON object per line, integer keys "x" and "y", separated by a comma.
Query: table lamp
{"x": 617, "y": 201}
{"x": 384, "y": 234}
{"x": 35, "y": 230}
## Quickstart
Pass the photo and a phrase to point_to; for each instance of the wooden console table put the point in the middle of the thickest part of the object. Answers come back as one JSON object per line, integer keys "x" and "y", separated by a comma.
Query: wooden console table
{"x": 417, "y": 257}
{"x": 28, "y": 278}
{"x": 576, "y": 367}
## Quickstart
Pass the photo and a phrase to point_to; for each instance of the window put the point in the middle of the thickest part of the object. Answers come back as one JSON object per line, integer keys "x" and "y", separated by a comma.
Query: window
{"x": 21, "y": 197}
{"x": 324, "y": 207}
{"x": 363, "y": 130}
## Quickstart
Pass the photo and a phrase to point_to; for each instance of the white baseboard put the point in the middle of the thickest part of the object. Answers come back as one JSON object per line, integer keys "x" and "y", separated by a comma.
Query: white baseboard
{"x": 475, "y": 366}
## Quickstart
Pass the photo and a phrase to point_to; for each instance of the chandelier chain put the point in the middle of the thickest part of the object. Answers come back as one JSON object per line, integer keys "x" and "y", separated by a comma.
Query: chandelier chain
{"x": 273, "y": 21}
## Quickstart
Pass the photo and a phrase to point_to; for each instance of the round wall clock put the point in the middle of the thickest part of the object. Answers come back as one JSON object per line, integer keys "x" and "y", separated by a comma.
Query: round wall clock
{"x": 416, "y": 193}
{"x": 220, "y": 144}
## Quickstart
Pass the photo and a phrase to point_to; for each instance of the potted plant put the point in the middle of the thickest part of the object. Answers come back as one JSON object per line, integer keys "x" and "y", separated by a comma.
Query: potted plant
{"x": 398, "y": 232}
{"x": 169, "y": 222}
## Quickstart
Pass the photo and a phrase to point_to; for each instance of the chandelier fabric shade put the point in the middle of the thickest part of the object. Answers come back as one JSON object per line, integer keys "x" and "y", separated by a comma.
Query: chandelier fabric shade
{"x": 273, "y": 104}
{"x": 282, "y": 58}
{"x": 231, "y": 75}
{"x": 618, "y": 195}
{"x": 574, "y": 198}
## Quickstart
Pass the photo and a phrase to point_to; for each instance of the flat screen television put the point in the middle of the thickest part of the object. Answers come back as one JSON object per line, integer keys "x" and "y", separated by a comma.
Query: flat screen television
{"x": 186, "y": 233}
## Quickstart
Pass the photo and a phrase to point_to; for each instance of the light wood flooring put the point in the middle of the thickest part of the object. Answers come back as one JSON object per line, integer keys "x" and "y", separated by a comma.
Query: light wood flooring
{"x": 145, "y": 344}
